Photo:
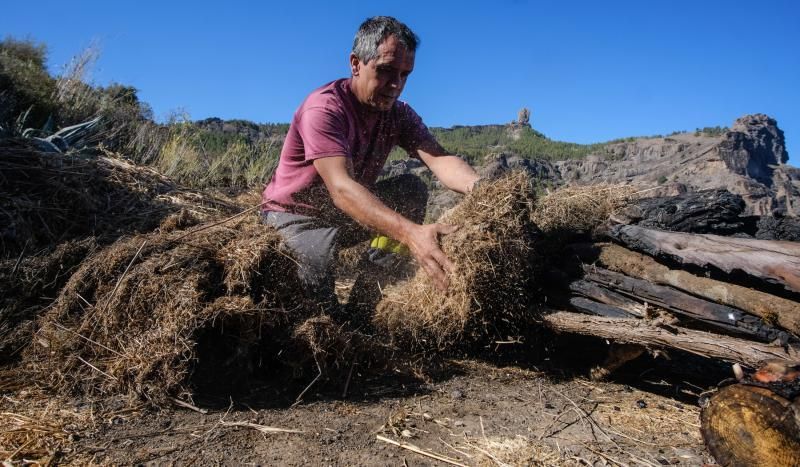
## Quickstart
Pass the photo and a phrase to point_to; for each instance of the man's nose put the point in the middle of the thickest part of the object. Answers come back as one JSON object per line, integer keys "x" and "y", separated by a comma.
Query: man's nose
{"x": 396, "y": 80}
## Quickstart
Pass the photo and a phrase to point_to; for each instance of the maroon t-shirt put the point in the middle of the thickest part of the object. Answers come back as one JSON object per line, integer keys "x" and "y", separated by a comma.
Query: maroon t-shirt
{"x": 331, "y": 122}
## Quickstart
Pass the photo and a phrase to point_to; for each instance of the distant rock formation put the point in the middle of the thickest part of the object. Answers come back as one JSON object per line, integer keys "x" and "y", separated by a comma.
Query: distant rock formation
{"x": 749, "y": 160}
{"x": 753, "y": 147}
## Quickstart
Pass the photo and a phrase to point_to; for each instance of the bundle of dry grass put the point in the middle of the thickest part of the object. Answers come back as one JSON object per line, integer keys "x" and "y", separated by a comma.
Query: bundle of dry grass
{"x": 579, "y": 208}
{"x": 49, "y": 198}
{"x": 490, "y": 288}
{"x": 27, "y": 285}
{"x": 135, "y": 317}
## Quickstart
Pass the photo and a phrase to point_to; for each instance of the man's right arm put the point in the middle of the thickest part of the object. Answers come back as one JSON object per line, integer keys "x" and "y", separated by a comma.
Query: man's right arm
{"x": 365, "y": 208}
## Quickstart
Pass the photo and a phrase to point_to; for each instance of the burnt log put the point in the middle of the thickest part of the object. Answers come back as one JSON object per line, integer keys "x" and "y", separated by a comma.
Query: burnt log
{"x": 721, "y": 317}
{"x": 608, "y": 297}
{"x": 772, "y": 309}
{"x": 708, "y": 211}
{"x": 778, "y": 228}
{"x": 637, "y": 331}
{"x": 775, "y": 262}
{"x": 598, "y": 309}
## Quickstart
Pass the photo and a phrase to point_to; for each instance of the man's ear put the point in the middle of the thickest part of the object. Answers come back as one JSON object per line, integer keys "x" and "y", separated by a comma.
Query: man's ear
{"x": 355, "y": 64}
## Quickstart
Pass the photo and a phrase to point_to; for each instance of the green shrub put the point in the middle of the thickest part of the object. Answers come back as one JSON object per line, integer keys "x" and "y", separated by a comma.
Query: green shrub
{"x": 199, "y": 157}
{"x": 26, "y": 88}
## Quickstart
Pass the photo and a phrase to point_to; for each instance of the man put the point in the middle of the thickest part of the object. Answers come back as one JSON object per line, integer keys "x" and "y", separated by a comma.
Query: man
{"x": 324, "y": 193}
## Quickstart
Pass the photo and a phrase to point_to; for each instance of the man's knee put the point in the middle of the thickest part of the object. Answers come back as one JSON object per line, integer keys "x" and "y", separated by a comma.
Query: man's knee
{"x": 313, "y": 243}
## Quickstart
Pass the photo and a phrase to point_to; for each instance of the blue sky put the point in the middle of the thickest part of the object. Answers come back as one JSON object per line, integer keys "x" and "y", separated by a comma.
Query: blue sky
{"x": 589, "y": 71}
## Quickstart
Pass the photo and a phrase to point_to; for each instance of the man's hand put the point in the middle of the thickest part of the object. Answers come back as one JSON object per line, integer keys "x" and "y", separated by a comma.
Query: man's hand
{"x": 363, "y": 206}
{"x": 423, "y": 241}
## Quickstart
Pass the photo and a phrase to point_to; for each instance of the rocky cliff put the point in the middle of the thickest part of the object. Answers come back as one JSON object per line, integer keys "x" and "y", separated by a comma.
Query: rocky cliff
{"x": 748, "y": 160}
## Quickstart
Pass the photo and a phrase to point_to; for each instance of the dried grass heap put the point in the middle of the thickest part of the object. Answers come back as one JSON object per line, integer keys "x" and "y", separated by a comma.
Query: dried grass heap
{"x": 579, "y": 208}
{"x": 134, "y": 316}
{"x": 49, "y": 198}
{"x": 490, "y": 288}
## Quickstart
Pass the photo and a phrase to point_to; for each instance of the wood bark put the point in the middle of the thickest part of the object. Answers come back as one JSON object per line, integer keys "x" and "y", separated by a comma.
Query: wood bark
{"x": 776, "y": 262}
{"x": 636, "y": 331}
{"x": 722, "y": 317}
{"x": 785, "y": 313}
{"x": 607, "y": 297}
{"x": 598, "y": 309}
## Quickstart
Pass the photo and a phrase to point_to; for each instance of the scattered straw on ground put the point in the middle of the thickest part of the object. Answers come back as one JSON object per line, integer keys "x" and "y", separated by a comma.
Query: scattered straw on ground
{"x": 490, "y": 286}
{"x": 579, "y": 208}
{"x": 38, "y": 429}
{"x": 507, "y": 452}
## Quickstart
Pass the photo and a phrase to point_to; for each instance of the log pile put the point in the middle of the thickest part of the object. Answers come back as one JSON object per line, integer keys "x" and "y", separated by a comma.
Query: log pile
{"x": 727, "y": 298}
{"x": 645, "y": 289}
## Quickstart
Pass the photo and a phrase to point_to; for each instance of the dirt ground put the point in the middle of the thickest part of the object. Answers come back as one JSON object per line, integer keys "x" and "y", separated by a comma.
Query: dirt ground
{"x": 474, "y": 412}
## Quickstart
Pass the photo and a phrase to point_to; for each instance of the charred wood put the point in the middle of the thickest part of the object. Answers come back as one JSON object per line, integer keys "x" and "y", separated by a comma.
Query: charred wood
{"x": 775, "y": 262}
{"x": 708, "y": 211}
{"x": 722, "y": 317}
{"x": 772, "y": 309}
{"x": 608, "y": 297}
{"x": 779, "y": 228}
{"x": 598, "y": 309}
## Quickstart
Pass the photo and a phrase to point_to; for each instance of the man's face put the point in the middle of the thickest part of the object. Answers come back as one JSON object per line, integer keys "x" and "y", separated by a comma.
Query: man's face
{"x": 378, "y": 83}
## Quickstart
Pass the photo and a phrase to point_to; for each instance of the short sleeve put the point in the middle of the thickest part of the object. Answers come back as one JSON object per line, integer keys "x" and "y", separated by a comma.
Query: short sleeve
{"x": 324, "y": 133}
{"x": 414, "y": 134}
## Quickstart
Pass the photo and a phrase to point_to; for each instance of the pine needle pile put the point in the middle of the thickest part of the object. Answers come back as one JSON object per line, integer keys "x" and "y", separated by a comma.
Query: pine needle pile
{"x": 135, "y": 317}
{"x": 28, "y": 285}
{"x": 580, "y": 208}
{"x": 50, "y": 198}
{"x": 490, "y": 288}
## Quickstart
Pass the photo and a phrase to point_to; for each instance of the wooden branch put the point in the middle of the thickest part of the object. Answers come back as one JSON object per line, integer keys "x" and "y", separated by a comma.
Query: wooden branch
{"x": 420, "y": 451}
{"x": 608, "y": 297}
{"x": 598, "y": 309}
{"x": 776, "y": 262}
{"x": 636, "y": 331}
{"x": 720, "y": 316}
{"x": 786, "y": 313}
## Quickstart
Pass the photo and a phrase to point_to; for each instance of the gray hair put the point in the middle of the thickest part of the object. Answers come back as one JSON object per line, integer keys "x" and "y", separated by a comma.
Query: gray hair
{"x": 375, "y": 30}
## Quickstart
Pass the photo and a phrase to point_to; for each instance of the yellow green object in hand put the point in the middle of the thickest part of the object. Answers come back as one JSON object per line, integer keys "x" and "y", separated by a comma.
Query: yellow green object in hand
{"x": 382, "y": 242}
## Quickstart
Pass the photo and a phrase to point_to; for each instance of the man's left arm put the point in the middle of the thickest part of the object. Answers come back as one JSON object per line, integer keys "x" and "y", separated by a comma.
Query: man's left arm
{"x": 454, "y": 172}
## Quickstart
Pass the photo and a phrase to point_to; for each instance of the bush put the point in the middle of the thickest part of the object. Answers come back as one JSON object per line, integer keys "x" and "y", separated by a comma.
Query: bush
{"x": 26, "y": 88}
{"x": 31, "y": 98}
{"x": 198, "y": 156}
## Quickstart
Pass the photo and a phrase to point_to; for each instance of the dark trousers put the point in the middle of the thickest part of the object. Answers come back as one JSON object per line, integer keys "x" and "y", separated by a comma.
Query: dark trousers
{"x": 316, "y": 240}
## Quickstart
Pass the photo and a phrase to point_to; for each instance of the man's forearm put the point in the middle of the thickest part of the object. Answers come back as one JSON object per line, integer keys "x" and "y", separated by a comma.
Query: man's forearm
{"x": 454, "y": 173}
{"x": 364, "y": 207}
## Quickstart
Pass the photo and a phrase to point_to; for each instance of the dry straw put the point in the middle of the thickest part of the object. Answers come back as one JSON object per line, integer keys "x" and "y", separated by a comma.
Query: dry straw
{"x": 490, "y": 287}
{"x": 579, "y": 208}
{"x": 47, "y": 198}
{"x": 134, "y": 316}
